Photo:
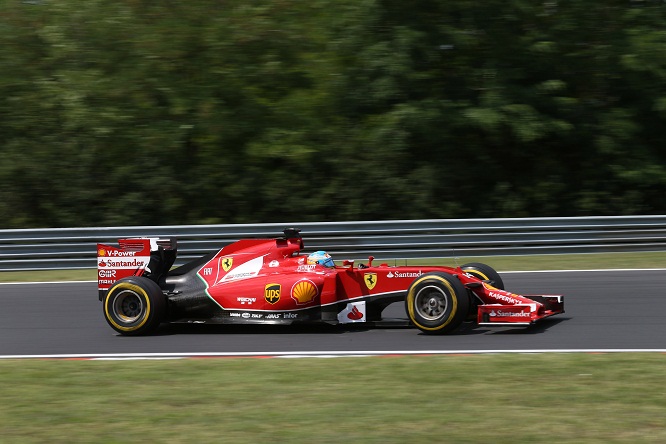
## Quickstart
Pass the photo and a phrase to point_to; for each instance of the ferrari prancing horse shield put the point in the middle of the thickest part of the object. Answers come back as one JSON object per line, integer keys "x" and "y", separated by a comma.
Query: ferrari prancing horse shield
{"x": 370, "y": 280}
{"x": 227, "y": 262}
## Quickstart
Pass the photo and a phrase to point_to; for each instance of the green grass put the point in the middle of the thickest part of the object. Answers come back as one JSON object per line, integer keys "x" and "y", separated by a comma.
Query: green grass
{"x": 500, "y": 263}
{"x": 560, "y": 262}
{"x": 574, "y": 398}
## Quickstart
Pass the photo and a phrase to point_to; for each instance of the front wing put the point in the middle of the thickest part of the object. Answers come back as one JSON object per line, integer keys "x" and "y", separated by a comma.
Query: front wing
{"x": 521, "y": 314}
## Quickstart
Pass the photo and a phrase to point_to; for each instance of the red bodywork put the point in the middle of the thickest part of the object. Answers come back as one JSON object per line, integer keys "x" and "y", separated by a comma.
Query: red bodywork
{"x": 270, "y": 281}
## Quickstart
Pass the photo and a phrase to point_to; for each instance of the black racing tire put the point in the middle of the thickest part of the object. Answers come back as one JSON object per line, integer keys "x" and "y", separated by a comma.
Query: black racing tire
{"x": 484, "y": 272}
{"x": 437, "y": 303}
{"x": 134, "y": 306}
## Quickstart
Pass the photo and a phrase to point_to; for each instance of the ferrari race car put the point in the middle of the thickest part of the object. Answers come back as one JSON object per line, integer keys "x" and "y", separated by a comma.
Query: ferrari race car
{"x": 270, "y": 281}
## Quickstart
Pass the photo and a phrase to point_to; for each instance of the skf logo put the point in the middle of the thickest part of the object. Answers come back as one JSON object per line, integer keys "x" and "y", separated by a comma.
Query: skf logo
{"x": 227, "y": 263}
{"x": 370, "y": 280}
{"x": 304, "y": 292}
{"x": 272, "y": 293}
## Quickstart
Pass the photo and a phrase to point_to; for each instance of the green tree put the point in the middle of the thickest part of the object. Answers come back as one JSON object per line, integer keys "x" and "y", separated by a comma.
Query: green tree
{"x": 132, "y": 112}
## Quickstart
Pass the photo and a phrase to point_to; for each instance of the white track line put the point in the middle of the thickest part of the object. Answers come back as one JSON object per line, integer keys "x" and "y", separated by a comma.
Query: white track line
{"x": 313, "y": 354}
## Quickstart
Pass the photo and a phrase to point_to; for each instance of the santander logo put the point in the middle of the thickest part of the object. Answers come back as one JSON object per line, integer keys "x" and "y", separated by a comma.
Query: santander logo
{"x": 355, "y": 314}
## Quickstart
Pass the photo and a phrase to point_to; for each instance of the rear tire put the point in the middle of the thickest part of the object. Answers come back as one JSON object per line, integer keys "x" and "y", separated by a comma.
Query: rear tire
{"x": 437, "y": 303}
{"x": 485, "y": 273}
{"x": 134, "y": 306}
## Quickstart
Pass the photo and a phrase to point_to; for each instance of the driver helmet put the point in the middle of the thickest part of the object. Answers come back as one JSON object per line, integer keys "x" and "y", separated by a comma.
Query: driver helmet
{"x": 321, "y": 258}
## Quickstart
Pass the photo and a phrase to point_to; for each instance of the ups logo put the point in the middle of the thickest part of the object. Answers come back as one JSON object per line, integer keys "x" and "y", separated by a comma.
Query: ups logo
{"x": 272, "y": 293}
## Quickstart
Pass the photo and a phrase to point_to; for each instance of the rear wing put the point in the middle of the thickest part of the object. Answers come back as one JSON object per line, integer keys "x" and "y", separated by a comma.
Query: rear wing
{"x": 146, "y": 256}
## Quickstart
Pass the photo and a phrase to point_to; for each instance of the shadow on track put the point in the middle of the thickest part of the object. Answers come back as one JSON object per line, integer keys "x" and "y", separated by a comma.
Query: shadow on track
{"x": 538, "y": 328}
{"x": 244, "y": 329}
{"x": 226, "y": 329}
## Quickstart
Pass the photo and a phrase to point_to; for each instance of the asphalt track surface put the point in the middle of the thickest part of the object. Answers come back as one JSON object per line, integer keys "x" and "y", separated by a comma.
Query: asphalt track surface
{"x": 605, "y": 310}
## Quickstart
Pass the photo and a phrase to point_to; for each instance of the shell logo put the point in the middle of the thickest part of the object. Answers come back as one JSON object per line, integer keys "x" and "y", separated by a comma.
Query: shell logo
{"x": 304, "y": 292}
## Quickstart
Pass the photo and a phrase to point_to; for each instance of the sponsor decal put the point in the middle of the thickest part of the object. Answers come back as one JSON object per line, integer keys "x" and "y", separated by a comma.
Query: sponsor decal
{"x": 256, "y": 316}
{"x": 509, "y": 314}
{"x": 398, "y": 274}
{"x": 134, "y": 263}
{"x": 105, "y": 281}
{"x": 207, "y": 271}
{"x": 107, "y": 273}
{"x": 234, "y": 315}
{"x": 101, "y": 252}
{"x": 370, "y": 280}
{"x": 227, "y": 263}
{"x": 240, "y": 276}
{"x": 249, "y": 269}
{"x": 245, "y": 315}
{"x": 306, "y": 268}
{"x": 273, "y": 316}
{"x": 505, "y": 298}
{"x": 120, "y": 253}
{"x": 353, "y": 312}
{"x": 272, "y": 293}
{"x": 248, "y": 301}
{"x": 304, "y": 292}
{"x": 290, "y": 315}
{"x": 273, "y": 264}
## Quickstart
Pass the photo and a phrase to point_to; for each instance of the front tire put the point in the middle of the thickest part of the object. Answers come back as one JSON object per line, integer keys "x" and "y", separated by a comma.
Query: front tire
{"x": 437, "y": 303}
{"x": 485, "y": 273}
{"x": 134, "y": 306}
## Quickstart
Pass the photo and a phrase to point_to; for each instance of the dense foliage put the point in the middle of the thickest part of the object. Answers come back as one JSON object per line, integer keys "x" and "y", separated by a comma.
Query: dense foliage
{"x": 131, "y": 112}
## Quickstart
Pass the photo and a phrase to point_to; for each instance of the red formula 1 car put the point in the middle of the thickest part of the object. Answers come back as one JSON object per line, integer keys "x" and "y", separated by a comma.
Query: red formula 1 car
{"x": 270, "y": 281}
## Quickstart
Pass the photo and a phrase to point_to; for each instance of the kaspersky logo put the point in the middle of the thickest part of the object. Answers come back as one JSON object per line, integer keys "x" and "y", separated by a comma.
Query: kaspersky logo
{"x": 227, "y": 263}
{"x": 370, "y": 280}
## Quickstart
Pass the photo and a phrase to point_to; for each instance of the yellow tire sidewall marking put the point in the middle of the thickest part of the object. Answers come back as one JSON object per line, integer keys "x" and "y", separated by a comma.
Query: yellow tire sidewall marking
{"x": 411, "y": 296}
{"x": 136, "y": 289}
{"x": 477, "y": 273}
